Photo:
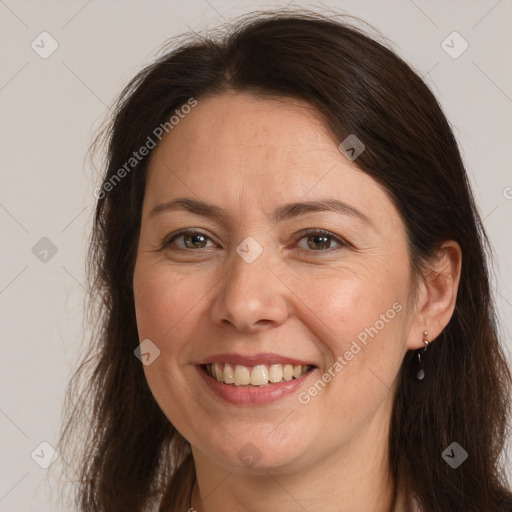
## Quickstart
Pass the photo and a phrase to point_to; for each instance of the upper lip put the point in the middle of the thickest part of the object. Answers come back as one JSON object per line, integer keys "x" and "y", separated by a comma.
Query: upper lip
{"x": 253, "y": 359}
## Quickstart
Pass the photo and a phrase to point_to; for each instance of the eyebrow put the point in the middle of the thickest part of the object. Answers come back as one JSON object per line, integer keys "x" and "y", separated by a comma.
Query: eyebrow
{"x": 286, "y": 211}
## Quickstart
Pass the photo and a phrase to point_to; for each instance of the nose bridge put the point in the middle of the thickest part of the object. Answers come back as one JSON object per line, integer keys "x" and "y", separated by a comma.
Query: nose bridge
{"x": 250, "y": 294}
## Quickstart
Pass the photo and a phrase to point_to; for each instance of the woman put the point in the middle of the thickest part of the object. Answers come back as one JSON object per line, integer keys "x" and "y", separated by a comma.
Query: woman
{"x": 294, "y": 306}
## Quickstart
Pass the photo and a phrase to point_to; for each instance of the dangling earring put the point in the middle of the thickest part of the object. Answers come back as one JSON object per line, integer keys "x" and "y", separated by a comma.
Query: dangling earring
{"x": 421, "y": 374}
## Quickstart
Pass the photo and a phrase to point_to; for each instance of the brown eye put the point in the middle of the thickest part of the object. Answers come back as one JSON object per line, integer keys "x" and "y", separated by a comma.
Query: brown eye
{"x": 194, "y": 241}
{"x": 320, "y": 240}
{"x": 191, "y": 240}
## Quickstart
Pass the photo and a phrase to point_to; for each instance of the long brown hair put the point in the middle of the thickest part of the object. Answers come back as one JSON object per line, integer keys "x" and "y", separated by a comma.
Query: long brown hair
{"x": 131, "y": 456}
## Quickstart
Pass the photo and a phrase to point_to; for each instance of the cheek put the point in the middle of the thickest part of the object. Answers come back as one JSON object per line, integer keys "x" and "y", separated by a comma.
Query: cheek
{"x": 360, "y": 324}
{"x": 358, "y": 315}
{"x": 373, "y": 353}
{"x": 163, "y": 299}
{"x": 344, "y": 303}
{"x": 165, "y": 303}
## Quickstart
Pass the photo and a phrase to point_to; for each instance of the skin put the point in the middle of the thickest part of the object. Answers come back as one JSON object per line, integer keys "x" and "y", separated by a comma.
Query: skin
{"x": 249, "y": 155}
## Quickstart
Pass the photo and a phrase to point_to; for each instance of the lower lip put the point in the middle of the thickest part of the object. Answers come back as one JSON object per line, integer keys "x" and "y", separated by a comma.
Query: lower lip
{"x": 241, "y": 395}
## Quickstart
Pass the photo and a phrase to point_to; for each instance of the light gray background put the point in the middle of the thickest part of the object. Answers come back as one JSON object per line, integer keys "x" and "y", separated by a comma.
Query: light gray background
{"x": 51, "y": 107}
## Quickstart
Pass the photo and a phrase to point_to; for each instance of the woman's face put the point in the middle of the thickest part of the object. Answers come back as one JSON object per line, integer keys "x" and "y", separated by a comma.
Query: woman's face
{"x": 246, "y": 286}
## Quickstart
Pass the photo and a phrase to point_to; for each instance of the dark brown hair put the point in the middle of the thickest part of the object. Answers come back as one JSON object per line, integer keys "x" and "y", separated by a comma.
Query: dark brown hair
{"x": 132, "y": 457}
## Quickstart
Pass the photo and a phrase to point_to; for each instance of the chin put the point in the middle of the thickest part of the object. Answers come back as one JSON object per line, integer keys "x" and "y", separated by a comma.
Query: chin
{"x": 255, "y": 453}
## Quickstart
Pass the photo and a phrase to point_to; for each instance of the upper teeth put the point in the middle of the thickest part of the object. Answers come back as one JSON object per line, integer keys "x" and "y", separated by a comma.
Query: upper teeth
{"x": 258, "y": 375}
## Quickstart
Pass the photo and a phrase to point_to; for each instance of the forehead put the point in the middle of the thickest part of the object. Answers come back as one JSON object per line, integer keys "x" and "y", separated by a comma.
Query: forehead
{"x": 228, "y": 131}
{"x": 238, "y": 149}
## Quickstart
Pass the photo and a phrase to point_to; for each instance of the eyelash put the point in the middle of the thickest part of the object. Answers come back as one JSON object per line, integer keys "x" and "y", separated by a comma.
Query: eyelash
{"x": 302, "y": 234}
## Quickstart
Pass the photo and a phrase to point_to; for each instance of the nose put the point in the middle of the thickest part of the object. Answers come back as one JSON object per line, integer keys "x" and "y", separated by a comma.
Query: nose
{"x": 251, "y": 297}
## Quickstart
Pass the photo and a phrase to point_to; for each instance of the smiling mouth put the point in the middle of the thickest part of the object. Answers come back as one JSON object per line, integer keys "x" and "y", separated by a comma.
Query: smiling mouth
{"x": 255, "y": 376}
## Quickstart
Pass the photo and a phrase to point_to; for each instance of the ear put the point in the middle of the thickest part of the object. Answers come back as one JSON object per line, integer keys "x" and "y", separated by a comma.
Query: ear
{"x": 437, "y": 295}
